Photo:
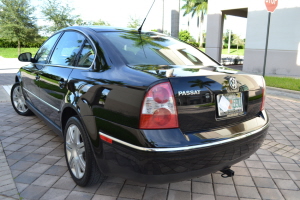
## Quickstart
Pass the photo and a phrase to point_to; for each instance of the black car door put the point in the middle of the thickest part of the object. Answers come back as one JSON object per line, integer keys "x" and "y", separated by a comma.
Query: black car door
{"x": 30, "y": 73}
{"x": 53, "y": 77}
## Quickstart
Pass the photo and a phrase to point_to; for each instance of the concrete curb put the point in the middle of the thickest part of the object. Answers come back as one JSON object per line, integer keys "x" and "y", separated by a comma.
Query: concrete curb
{"x": 283, "y": 93}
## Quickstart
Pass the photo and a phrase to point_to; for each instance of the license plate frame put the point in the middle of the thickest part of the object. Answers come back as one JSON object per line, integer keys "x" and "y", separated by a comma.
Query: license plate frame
{"x": 236, "y": 104}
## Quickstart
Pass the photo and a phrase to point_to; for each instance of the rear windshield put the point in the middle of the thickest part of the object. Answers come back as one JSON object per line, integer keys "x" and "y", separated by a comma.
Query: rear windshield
{"x": 155, "y": 49}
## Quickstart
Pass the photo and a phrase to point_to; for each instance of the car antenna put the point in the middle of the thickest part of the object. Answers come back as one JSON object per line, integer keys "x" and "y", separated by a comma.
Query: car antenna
{"x": 140, "y": 29}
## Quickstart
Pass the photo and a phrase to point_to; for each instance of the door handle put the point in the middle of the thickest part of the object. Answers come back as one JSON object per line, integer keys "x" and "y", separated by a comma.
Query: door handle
{"x": 62, "y": 83}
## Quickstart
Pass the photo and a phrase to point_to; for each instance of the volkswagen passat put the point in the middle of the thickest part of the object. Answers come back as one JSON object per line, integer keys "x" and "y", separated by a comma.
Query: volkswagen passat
{"x": 140, "y": 105}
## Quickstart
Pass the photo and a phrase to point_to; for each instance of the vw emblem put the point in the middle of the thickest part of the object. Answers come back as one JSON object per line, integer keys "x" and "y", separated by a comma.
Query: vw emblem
{"x": 233, "y": 83}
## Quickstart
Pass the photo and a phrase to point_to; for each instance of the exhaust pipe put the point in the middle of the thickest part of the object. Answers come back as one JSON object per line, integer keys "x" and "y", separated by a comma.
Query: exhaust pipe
{"x": 227, "y": 172}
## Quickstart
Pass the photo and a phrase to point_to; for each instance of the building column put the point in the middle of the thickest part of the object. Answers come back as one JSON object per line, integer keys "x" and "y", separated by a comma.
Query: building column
{"x": 175, "y": 18}
{"x": 214, "y": 33}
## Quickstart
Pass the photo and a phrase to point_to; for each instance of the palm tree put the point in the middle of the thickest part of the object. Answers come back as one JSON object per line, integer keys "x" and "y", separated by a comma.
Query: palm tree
{"x": 198, "y": 7}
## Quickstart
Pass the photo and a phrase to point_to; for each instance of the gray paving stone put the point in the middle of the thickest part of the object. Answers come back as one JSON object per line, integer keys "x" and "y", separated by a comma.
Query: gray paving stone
{"x": 290, "y": 167}
{"x": 38, "y": 168}
{"x": 241, "y": 171}
{"x": 202, "y": 197}
{"x": 161, "y": 186}
{"x": 291, "y": 195}
{"x": 21, "y": 186}
{"x": 203, "y": 188}
{"x": 109, "y": 189}
{"x": 286, "y": 184}
{"x": 75, "y": 195}
{"x": 294, "y": 175}
{"x": 28, "y": 148}
{"x": 155, "y": 194}
{"x": 278, "y": 174}
{"x": 259, "y": 172}
{"x": 264, "y": 182}
{"x": 7, "y": 187}
{"x": 65, "y": 183}
{"x": 55, "y": 194}
{"x": 268, "y": 193}
{"x": 57, "y": 152}
{"x": 103, "y": 197}
{"x": 33, "y": 192}
{"x": 182, "y": 186}
{"x": 272, "y": 165}
{"x": 10, "y": 193}
{"x": 33, "y": 157}
{"x": 217, "y": 178}
{"x": 43, "y": 150}
{"x": 282, "y": 159}
{"x": 27, "y": 177}
{"x": 247, "y": 192}
{"x": 226, "y": 198}
{"x": 254, "y": 164}
{"x": 131, "y": 182}
{"x": 13, "y": 147}
{"x": 90, "y": 189}
{"x": 56, "y": 170}
{"x": 16, "y": 173}
{"x": 22, "y": 165}
{"x": 11, "y": 162}
{"x": 134, "y": 192}
{"x": 225, "y": 190}
{"x": 205, "y": 179}
{"x": 45, "y": 180}
{"x": 174, "y": 194}
{"x": 50, "y": 160}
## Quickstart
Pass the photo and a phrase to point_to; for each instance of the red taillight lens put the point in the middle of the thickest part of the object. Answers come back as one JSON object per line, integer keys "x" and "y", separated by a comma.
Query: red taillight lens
{"x": 262, "y": 107}
{"x": 159, "y": 109}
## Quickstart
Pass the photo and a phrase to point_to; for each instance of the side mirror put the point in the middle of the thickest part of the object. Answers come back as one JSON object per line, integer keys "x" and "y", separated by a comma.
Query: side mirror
{"x": 25, "y": 57}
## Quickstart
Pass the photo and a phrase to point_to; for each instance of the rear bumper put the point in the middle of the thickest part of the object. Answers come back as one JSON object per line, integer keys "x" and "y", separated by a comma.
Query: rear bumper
{"x": 164, "y": 165}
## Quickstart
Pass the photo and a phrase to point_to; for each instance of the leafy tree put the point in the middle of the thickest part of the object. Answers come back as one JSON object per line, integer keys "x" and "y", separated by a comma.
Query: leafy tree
{"x": 101, "y": 23}
{"x": 80, "y": 22}
{"x": 238, "y": 42}
{"x": 17, "y": 22}
{"x": 133, "y": 23}
{"x": 60, "y": 15}
{"x": 198, "y": 7}
{"x": 185, "y": 36}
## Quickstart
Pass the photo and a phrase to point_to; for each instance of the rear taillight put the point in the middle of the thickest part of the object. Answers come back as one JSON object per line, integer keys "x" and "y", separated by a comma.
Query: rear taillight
{"x": 159, "y": 108}
{"x": 262, "y": 107}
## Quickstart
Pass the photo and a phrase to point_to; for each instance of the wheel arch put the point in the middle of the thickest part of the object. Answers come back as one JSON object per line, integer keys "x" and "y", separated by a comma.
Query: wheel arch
{"x": 67, "y": 113}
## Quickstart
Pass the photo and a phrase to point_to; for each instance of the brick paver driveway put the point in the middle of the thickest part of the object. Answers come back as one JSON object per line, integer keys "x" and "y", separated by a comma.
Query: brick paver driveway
{"x": 34, "y": 155}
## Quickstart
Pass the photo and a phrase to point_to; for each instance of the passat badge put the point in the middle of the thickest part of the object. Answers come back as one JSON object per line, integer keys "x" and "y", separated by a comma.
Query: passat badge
{"x": 233, "y": 83}
{"x": 188, "y": 92}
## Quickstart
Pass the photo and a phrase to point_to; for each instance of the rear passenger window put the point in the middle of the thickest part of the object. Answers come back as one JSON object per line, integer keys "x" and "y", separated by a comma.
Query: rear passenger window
{"x": 86, "y": 56}
{"x": 42, "y": 54}
{"x": 67, "y": 49}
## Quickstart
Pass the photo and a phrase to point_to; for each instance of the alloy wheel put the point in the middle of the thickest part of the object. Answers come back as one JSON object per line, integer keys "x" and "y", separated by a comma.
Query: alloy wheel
{"x": 19, "y": 100}
{"x": 75, "y": 151}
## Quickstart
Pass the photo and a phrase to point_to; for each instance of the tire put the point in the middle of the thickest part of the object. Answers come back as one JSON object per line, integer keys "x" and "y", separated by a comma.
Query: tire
{"x": 79, "y": 155}
{"x": 18, "y": 100}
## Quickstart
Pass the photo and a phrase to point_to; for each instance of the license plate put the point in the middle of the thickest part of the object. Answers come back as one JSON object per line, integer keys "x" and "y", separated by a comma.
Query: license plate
{"x": 230, "y": 104}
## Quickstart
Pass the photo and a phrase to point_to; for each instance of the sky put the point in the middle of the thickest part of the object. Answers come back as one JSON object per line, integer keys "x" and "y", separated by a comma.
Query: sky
{"x": 118, "y": 13}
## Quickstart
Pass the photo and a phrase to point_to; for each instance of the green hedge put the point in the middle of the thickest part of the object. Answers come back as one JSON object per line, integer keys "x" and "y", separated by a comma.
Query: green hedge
{"x": 5, "y": 43}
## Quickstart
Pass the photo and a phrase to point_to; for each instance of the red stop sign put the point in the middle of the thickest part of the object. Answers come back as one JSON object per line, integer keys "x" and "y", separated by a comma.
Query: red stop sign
{"x": 271, "y": 5}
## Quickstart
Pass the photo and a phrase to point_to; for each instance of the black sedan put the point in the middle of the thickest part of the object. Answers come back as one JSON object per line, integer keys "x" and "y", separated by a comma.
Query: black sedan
{"x": 140, "y": 105}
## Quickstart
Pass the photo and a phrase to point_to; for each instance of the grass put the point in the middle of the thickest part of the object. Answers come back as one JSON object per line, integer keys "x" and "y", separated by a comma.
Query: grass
{"x": 13, "y": 52}
{"x": 239, "y": 52}
{"x": 283, "y": 82}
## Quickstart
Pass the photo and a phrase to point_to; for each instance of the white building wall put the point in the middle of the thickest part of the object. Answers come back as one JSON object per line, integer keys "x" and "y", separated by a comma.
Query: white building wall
{"x": 284, "y": 38}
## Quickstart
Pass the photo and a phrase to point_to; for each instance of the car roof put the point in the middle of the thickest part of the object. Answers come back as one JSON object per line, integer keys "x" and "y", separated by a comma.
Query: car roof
{"x": 100, "y": 28}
